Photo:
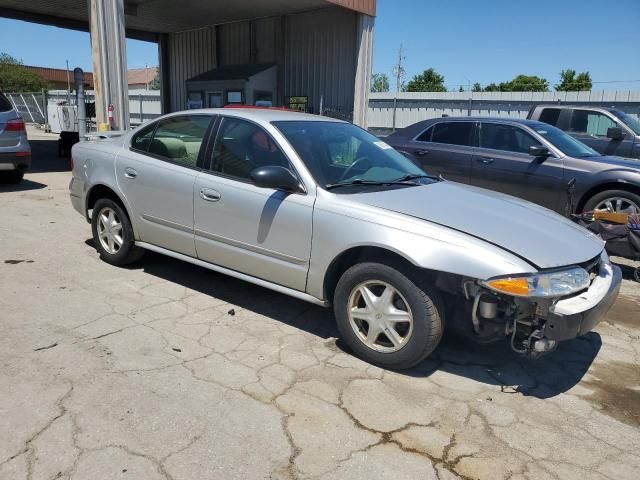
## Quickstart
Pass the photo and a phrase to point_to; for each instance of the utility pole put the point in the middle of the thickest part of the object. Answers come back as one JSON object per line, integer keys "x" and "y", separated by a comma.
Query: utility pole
{"x": 68, "y": 85}
{"x": 398, "y": 71}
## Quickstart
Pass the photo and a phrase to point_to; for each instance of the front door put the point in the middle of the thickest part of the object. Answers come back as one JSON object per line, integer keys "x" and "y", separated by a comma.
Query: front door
{"x": 157, "y": 173}
{"x": 445, "y": 149}
{"x": 261, "y": 232}
{"x": 503, "y": 163}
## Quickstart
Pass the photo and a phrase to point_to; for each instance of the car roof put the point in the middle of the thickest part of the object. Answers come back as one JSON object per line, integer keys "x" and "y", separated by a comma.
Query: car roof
{"x": 413, "y": 130}
{"x": 582, "y": 107}
{"x": 264, "y": 114}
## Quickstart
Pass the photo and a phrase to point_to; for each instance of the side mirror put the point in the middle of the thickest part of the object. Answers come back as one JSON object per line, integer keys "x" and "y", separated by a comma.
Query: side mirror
{"x": 278, "y": 178}
{"x": 616, "y": 133}
{"x": 539, "y": 151}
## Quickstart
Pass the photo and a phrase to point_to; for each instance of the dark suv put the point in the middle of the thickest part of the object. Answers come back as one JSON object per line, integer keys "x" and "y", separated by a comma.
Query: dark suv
{"x": 523, "y": 158}
{"x": 606, "y": 130}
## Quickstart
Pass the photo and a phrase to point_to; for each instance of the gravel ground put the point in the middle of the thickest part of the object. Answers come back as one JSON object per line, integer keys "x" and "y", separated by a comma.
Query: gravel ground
{"x": 165, "y": 370}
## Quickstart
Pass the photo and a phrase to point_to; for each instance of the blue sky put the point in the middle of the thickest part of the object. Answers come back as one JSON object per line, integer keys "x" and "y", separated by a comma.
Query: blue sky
{"x": 495, "y": 40}
{"x": 465, "y": 40}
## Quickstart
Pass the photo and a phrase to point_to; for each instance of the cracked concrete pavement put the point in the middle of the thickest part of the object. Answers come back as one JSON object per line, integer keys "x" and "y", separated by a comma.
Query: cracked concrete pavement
{"x": 165, "y": 370}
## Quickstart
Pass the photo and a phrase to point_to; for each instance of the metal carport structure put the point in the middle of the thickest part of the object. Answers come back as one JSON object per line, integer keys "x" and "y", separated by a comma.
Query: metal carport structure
{"x": 322, "y": 48}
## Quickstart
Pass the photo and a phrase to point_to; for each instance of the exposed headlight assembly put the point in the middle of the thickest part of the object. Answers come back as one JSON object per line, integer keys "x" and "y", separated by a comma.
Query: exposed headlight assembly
{"x": 542, "y": 285}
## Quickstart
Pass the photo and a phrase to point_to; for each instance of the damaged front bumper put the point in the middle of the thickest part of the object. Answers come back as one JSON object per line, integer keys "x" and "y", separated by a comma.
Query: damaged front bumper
{"x": 578, "y": 315}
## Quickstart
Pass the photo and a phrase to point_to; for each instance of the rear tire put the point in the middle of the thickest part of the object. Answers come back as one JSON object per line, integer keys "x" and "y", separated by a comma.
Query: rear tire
{"x": 113, "y": 233}
{"x": 599, "y": 199}
{"x": 363, "y": 291}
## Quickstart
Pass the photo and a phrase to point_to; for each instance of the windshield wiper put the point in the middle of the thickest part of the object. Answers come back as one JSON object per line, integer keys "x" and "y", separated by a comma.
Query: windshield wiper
{"x": 360, "y": 181}
{"x": 414, "y": 176}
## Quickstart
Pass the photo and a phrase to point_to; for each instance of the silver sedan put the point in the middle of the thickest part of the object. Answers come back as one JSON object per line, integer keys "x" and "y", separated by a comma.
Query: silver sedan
{"x": 321, "y": 210}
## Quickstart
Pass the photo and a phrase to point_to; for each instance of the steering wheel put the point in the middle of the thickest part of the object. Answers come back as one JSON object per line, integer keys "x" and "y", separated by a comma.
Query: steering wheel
{"x": 354, "y": 167}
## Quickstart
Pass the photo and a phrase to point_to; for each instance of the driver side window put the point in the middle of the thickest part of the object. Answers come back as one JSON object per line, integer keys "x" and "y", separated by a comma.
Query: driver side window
{"x": 242, "y": 146}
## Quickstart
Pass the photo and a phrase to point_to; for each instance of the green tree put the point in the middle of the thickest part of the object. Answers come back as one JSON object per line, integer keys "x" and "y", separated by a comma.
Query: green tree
{"x": 476, "y": 87}
{"x": 460, "y": 89}
{"x": 379, "y": 82}
{"x": 492, "y": 87}
{"x": 427, "y": 81}
{"x": 569, "y": 82}
{"x": 15, "y": 78}
{"x": 525, "y": 83}
{"x": 155, "y": 83}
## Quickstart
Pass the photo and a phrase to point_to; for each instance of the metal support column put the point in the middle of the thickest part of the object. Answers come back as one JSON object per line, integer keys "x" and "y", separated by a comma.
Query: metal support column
{"x": 108, "y": 49}
{"x": 362, "y": 85}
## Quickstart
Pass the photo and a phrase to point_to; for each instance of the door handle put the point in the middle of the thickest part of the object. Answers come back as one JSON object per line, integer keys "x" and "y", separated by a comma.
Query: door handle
{"x": 485, "y": 160}
{"x": 210, "y": 195}
{"x": 130, "y": 172}
{"x": 422, "y": 153}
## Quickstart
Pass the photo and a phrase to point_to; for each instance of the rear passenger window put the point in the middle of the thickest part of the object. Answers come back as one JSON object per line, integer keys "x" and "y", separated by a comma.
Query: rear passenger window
{"x": 453, "y": 133}
{"x": 426, "y": 135}
{"x": 179, "y": 139}
{"x": 5, "y": 104}
{"x": 550, "y": 116}
{"x": 142, "y": 139}
{"x": 242, "y": 146}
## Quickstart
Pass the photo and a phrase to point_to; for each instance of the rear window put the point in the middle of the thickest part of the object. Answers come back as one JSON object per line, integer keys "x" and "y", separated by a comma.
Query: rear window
{"x": 453, "y": 133}
{"x": 550, "y": 116}
{"x": 5, "y": 104}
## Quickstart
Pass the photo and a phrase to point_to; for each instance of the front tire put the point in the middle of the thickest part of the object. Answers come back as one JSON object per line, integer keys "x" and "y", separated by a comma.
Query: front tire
{"x": 386, "y": 317}
{"x": 113, "y": 233}
{"x": 619, "y": 201}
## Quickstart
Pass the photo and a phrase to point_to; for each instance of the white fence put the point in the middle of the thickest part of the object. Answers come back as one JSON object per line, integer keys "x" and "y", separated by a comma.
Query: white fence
{"x": 143, "y": 104}
{"x": 412, "y": 107}
{"x": 35, "y": 107}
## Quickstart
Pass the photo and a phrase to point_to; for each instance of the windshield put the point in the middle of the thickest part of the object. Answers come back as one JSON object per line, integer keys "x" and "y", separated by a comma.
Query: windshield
{"x": 631, "y": 122}
{"x": 339, "y": 153}
{"x": 563, "y": 142}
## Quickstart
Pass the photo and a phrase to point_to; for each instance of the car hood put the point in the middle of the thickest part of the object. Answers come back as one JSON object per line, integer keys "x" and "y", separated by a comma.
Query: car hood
{"x": 540, "y": 236}
{"x": 614, "y": 161}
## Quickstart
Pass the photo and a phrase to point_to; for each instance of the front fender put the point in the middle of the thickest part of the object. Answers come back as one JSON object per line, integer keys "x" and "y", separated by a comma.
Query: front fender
{"x": 425, "y": 245}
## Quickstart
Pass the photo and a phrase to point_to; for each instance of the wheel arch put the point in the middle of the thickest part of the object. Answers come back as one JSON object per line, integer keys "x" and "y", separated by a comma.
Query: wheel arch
{"x": 359, "y": 254}
{"x": 603, "y": 187}
{"x": 99, "y": 191}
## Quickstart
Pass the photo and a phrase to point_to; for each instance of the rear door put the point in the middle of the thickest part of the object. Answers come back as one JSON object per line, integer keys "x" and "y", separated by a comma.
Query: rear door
{"x": 590, "y": 127}
{"x": 261, "y": 232}
{"x": 157, "y": 172}
{"x": 502, "y": 163}
{"x": 446, "y": 149}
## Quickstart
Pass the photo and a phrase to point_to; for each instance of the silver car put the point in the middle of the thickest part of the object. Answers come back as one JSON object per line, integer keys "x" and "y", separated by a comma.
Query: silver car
{"x": 15, "y": 153}
{"x": 323, "y": 211}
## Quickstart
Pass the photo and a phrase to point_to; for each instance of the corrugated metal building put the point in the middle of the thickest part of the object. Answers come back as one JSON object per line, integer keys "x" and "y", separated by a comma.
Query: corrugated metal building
{"x": 322, "y": 48}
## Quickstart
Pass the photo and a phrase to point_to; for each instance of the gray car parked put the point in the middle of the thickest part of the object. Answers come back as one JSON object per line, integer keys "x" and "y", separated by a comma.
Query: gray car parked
{"x": 15, "y": 152}
{"x": 609, "y": 131}
{"x": 525, "y": 158}
{"x": 323, "y": 211}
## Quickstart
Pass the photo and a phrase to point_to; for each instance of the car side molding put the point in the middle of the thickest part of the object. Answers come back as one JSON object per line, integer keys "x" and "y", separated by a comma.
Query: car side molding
{"x": 232, "y": 273}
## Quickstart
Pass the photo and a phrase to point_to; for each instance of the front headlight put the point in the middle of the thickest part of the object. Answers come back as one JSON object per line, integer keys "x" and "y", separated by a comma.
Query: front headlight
{"x": 552, "y": 284}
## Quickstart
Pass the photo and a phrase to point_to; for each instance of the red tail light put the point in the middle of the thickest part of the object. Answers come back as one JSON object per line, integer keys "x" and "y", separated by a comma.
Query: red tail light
{"x": 15, "y": 125}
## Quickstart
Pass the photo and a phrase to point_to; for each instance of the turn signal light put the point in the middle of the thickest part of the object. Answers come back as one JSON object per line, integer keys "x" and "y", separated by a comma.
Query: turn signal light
{"x": 510, "y": 286}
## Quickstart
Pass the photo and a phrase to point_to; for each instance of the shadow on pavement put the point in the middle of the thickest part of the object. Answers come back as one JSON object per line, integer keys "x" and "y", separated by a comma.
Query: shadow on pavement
{"x": 494, "y": 364}
{"x": 23, "y": 186}
{"x": 44, "y": 157}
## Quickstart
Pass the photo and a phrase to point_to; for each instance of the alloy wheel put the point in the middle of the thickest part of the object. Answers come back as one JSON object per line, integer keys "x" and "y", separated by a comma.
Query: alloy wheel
{"x": 380, "y": 316}
{"x": 618, "y": 205}
{"x": 110, "y": 230}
